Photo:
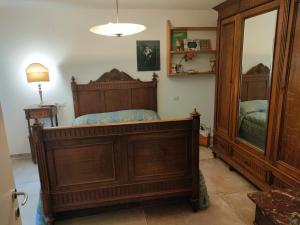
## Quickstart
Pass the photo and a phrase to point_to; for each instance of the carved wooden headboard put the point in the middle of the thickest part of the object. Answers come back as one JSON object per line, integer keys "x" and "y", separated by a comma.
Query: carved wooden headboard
{"x": 255, "y": 83}
{"x": 113, "y": 91}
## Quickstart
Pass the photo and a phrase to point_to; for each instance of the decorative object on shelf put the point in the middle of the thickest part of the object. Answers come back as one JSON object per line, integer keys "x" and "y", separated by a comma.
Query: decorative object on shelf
{"x": 190, "y": 55}
{"x": 148, "y": 55}
{"x": 173, "y": 69}
{"x": 181, "y": 47}
{"x": 178, "y": 38}
{"x": 212, "y": 65}
{"x": 191, "y": 45}
{"x": 179, "y": 68}
{"x": 118, "y": 29}
{"x": 187, "y": 56}
{"x": 36, "y": 72}
{"x": 205, "y": 44}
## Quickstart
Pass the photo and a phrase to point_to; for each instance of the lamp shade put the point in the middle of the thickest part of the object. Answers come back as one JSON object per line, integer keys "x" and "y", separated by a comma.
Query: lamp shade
{"x": 36, "y": 72}
{"x": 118, "y": 29}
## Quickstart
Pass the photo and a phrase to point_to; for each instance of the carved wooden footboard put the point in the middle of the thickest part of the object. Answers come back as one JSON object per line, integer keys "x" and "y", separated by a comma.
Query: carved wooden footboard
{"x": 90, "y": 166}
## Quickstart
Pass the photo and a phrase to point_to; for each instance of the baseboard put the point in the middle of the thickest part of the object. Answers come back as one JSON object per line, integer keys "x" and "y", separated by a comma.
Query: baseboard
{"x": 21, "y": 156}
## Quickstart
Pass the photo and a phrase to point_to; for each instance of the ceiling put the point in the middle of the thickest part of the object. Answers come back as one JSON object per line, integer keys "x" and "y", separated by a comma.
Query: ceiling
{"x": 123, "y": 4}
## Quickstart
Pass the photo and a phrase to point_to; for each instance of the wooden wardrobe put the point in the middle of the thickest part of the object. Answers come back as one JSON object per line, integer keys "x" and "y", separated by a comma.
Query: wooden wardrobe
{"x": 275, "y": 161}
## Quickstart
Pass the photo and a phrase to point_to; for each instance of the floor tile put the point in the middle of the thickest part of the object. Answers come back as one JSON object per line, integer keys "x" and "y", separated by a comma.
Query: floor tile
{"x": 223, "y": 180}
{"x": 24, "y": 170}
{"x": 205, "y": 153}
{"x": 241, "y": 205}
{"x": 133, "y": 216}
{"x": 219, "y": 213}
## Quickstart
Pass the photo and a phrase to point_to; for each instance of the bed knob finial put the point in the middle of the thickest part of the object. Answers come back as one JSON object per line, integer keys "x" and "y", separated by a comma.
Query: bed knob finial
{"x": 195, "y": 113}
{"x": 73, "y": 79}
{"x": 155, "y": 76}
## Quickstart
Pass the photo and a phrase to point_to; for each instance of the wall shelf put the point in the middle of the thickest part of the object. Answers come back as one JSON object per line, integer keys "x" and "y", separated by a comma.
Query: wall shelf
{"x": 172, "y": 55}
{"x": 196, "y": 52}
{"x": 209, "y": 73}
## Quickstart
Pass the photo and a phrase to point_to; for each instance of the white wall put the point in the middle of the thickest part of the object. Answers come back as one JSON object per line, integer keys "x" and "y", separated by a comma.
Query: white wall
{"x": 59, "y": 39}
{"x": 259, "y": 39}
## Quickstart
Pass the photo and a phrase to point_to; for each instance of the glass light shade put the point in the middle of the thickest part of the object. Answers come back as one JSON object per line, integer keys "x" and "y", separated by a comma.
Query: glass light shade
{"x": 36, "y": 72}
{"x": 118, "y": 29}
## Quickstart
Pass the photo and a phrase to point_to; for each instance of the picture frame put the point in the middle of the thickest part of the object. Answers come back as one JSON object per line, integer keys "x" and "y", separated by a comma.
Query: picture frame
{"x": 148, "y": 55}
{"x": 205, "y": 44}
{"x": 178, "y": 38}
{"x": 191, "y": 45}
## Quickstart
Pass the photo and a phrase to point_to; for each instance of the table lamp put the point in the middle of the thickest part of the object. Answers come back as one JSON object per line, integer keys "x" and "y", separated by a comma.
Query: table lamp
{"x": 36, "y": 72}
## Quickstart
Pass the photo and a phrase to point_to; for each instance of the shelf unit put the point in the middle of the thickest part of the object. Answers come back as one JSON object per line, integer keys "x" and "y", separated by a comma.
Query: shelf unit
{"x": 171, "y": 53}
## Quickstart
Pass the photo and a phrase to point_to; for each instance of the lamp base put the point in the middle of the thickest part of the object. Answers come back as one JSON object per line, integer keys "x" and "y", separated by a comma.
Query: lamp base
{"x": 40, "y": 94}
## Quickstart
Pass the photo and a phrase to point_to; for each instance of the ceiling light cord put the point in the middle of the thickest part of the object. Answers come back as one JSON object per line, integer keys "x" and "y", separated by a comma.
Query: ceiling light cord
{"x": 117, "y": 7}
{"x": 118, "y": 29}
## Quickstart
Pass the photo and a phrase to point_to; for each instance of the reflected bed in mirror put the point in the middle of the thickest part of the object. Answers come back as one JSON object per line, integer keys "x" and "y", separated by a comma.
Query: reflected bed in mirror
{"x": 258, "y": 46}
{"x": 254, "y": 105}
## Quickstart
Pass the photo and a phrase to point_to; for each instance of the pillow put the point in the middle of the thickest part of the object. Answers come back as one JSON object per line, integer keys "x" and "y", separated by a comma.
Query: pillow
{"x": 252, "y": 106}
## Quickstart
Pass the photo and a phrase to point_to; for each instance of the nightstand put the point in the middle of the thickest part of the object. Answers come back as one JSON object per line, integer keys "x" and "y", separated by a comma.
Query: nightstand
{"x": 39, "y": 112}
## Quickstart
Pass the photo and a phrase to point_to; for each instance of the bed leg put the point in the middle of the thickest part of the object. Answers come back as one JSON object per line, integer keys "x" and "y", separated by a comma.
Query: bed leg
{"x": 231, "y": 168}
{"x": 214, "y": 155}
{"x": 195, "y": 205}
{"x": 50, "y": 220}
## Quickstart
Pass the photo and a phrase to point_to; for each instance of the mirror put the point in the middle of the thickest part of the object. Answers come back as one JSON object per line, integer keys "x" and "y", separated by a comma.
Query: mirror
{"x": 255, "y": 86}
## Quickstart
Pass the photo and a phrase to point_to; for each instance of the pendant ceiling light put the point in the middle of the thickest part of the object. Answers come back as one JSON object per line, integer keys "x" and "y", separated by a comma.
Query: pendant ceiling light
{"x": 118, "y": 29}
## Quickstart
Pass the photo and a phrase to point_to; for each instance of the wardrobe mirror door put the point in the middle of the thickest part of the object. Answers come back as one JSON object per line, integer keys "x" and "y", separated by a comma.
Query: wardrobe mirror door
{"x": 256, "y": 74}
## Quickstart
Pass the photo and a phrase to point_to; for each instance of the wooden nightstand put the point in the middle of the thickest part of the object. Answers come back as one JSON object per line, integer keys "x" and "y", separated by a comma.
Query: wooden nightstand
{"x": 38, "y": 112}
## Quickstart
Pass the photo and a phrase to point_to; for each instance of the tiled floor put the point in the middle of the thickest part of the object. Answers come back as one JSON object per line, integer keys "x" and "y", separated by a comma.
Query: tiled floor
{"x": 229, "y": 204}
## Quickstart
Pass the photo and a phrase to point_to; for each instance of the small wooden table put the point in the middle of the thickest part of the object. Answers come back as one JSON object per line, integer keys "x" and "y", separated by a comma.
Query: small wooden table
{"x": 277, "y": 207}
{"x": 38, "y": 112}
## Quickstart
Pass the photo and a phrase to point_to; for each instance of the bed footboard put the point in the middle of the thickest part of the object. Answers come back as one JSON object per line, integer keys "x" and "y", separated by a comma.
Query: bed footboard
{"x": 90, "y": 166}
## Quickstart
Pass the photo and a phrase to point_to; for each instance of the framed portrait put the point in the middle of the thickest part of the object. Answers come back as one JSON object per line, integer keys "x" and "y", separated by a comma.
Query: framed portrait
{"x": 148, "y": 55}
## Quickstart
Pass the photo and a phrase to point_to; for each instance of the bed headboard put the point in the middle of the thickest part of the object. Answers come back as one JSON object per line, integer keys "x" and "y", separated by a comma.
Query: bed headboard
{"x": 113, "y": 91}
{"x": 255, "y": 83}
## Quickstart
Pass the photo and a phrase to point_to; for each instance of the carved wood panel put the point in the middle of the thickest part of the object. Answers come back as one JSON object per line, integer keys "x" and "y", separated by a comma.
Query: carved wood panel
{"x": 114, "y": 91}
{"x": 91, "y": 102}
{"x": 290, "y": 145}
{"x": 249, "y": 163}
{"x": 116, "y": 100}
{"x": 226, "y": 65}
{"x": 78, "y": 163}
{"x": 159, "y": 155}
{"x": 255, "y": 87}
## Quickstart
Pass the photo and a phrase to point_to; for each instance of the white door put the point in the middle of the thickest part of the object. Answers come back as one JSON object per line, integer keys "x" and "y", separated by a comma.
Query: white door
{"x": 9, "y": 209}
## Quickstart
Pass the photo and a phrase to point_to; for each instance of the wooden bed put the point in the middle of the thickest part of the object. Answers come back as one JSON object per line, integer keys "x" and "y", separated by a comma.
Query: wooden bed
{"x": 256, "y": 83}
{"x": 83, "y": 167}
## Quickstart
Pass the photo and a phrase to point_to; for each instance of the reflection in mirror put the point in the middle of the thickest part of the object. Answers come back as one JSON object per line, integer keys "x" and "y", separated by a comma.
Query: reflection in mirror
{"x": 258, "y": 47}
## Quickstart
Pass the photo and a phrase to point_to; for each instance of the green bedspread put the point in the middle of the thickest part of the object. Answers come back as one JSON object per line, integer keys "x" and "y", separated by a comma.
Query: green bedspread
{"x": 117, "y": 117}
{"x": 253, "y": 122}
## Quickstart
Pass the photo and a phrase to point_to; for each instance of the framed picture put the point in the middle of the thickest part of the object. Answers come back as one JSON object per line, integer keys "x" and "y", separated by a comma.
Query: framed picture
{"x": 148, "y": 55}
{"x": 177, "y": 40}
{"x": 205, "y": 44}
{"x": 191, "y": 44}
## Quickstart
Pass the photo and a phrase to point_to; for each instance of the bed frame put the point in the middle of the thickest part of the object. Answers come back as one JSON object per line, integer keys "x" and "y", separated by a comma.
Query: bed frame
{"x": 84, "y": 167}
{"x": 256, "y": 83}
